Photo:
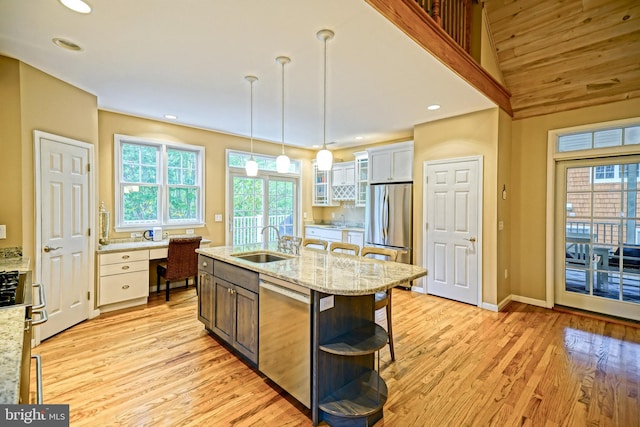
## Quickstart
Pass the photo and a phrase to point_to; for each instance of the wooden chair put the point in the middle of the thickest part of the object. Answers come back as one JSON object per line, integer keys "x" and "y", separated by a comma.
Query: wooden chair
{"x": 344, "y": 248}
{"x": 383, "y": 299}
{"x": 314, "y": 243}
{"x": 182, "y": 262}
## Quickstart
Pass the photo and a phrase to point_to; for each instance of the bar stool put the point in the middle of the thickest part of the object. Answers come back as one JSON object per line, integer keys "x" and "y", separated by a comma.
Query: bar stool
{"x": 383, "y": 299}
{"x": 315, "y": 242}
{"x": 345, "y": 248}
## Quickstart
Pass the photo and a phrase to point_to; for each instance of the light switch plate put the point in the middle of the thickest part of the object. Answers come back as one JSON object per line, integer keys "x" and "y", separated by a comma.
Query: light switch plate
{"x": 189, "y": 231}
{"x": 3, "y": 231}
{"x": 217, "y": 217}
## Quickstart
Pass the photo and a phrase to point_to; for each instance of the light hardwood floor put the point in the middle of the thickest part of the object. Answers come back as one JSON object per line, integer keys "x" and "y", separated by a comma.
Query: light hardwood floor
{"x": 456, "y": 365}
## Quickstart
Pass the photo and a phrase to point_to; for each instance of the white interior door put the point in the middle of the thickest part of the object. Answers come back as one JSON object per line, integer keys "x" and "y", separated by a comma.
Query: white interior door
{"x": 453, "y": 244}
{"x": 64, "y": 223}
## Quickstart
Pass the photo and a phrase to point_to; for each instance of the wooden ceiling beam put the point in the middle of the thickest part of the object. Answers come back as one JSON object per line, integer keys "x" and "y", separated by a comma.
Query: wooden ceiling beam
{"x": 409, "y": 17}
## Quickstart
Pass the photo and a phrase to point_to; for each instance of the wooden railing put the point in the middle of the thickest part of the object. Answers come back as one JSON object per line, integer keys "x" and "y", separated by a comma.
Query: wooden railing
{"x": 454, "y": 16}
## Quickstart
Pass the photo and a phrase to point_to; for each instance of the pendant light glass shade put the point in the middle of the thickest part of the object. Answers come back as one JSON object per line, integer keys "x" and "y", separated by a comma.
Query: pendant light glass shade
{"x": 251, "y": 167}
{"x": 324, "y": 158}
{"x": 282, "y": 161}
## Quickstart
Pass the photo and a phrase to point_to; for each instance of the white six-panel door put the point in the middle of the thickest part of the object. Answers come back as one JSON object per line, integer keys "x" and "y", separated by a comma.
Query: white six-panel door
{"x": 453, "y": 242}
{"x": 64, "y": 206}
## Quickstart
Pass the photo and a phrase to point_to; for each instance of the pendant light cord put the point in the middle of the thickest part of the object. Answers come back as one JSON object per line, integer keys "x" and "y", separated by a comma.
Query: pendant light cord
{"x": 283, "y": 62}
{"x": 324, "y": 112}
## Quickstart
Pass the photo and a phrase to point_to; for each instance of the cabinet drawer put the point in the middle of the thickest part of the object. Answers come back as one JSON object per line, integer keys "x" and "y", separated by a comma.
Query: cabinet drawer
{"x": 124, "y": 267}
{"x": 205, "y": 264}
{"x": 127, "y": 256}
{"x": 123, "y": 287}
{"x": 236, "y": 275}
{"x": 323, "y": 233}
{"x": 158, "y": 253}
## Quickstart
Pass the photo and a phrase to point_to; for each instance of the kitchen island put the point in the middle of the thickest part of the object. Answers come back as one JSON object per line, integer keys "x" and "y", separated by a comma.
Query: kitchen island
{"x": 343, "y": 385}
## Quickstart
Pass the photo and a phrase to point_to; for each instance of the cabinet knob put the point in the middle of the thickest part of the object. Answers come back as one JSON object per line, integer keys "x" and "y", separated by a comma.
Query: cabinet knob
{"x": 125, "y": 267}
{"x": 125, "y": 286}
{"x": 204, "y": 264}
{"x": 125, "y": 256}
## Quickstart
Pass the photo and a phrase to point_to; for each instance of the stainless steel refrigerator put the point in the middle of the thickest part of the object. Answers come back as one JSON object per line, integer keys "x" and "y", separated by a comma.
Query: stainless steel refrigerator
{"x": 389, "y": 218}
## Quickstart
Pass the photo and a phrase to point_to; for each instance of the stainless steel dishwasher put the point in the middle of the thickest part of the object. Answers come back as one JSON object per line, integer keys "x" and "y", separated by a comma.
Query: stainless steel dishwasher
{"x": 285, "y": 336}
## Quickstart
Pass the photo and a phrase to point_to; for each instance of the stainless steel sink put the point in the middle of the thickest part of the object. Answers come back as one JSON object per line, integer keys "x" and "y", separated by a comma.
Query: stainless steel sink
{"x": 261, "y": 257}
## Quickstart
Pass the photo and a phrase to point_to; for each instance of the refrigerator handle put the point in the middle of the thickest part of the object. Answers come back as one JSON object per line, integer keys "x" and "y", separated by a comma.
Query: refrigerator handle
{"x": 385, "y": 215}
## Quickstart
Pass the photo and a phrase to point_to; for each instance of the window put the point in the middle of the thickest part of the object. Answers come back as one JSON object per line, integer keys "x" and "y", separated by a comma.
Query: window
{"x": 602, "y": 138}
{"x": 157, "y": 183}
{"x": 269, "y": 199}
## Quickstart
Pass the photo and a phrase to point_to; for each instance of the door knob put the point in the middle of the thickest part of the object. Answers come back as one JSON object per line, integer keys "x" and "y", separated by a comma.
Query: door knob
{"x": 471, "y": 239}
{"x": 48, "y": 248}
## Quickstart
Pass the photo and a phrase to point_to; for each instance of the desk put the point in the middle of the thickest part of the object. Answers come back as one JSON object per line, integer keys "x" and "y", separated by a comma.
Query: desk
{"x": 124, "y": 278}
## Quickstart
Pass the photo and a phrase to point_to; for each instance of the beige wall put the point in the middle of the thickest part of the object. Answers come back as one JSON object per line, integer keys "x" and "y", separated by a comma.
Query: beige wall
{"x": 38, "y": 101}
{"x": 528, "y": 200}
{"x": 215, "y": 164}
{"x": 468, "y": 135}
{"x": 11, "y": 149}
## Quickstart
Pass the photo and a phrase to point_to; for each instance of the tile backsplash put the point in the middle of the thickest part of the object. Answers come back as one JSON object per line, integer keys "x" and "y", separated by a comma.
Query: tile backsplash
{"x": 11, "y": 252}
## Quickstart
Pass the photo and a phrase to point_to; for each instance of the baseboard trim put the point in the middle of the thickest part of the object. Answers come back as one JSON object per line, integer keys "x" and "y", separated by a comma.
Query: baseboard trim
{"x": 490, "y": 307}
{"x": 530, "y": 301}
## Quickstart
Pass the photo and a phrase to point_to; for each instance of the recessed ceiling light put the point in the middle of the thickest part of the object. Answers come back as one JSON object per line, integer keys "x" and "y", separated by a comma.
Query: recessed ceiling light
{"x": 433, "y": 107}
{"x": 77, "y": 6}
{"x": 315, "y": 146}
{"x": 359, "y": 137}
{"x": 170, "y": 116}
{"x": 66, "y": 44}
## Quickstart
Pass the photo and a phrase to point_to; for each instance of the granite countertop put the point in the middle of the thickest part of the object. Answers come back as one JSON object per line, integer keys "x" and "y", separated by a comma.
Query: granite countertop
{"x": 11, "y": 333}
{"x": 337, "y": 227}
{"x": 18, "y": 263}
{"x": 129, "y": 245}
{"x": 327, "y": 272}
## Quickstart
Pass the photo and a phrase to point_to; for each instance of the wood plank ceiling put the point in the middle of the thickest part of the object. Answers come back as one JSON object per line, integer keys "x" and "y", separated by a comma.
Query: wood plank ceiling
{"x": 558, "y": 55}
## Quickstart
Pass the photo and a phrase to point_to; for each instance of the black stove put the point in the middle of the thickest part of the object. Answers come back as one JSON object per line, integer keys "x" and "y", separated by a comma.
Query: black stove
{"x": 10, "y": 288}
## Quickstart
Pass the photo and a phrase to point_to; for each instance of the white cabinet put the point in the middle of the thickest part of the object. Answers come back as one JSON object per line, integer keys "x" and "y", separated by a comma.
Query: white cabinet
{"x": 343, "y": 180}
{"x": 391, "y": 163}
{"x": 323, "y": 233}
{"x": 343, "y": 174}
{"x": 123, "y": 278}
{"x": 362, "y": 177}
{"x": 355, "y": 237}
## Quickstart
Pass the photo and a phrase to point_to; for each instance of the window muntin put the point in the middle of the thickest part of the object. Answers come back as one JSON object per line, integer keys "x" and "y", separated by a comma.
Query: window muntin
{"x": 157, "y": 183}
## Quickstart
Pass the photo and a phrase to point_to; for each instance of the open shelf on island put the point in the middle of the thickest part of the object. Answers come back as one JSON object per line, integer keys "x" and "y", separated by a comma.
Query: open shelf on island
{"x": 364, "y": 340}
{"x": 361, "y": 397}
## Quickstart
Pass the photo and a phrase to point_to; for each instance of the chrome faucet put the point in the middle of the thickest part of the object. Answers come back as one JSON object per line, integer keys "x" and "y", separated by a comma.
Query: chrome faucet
{"x": 344, "y": 220}
{"x": 275, "y": 229}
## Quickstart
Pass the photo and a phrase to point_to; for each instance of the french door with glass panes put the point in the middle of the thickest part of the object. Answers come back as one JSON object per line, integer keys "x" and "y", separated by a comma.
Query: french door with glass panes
{"x": 598, "y": 231}
{"x": 258, "y": 202}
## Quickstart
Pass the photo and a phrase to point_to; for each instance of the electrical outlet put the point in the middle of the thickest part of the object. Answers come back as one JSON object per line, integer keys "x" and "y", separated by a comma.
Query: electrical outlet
{"x": 217, "y": 217}
{"x": 189, "y": 231}
{"x": 304, "y": 215}
{"x": 134, "y": 235}
{"x": 3, "y": 231}
{"x": 333, "y": 215}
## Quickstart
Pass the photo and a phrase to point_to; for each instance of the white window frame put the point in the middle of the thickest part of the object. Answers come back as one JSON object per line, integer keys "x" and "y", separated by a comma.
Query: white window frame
{"x": 161, "y": 182}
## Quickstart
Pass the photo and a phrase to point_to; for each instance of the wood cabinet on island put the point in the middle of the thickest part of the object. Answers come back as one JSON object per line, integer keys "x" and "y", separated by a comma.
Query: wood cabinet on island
{"x": 345, "y": 387}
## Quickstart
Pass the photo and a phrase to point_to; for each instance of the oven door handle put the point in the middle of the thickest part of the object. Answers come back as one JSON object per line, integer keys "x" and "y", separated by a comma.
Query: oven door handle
{"x": 43, "y": 301}
{"x": 38, "y": 378}
{"x": 43, "y": 317}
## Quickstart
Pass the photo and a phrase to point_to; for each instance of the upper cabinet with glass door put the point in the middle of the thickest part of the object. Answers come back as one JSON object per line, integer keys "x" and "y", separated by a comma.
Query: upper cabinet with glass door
{"x": 362, "y": 177}
{"x": 322, "y": 191}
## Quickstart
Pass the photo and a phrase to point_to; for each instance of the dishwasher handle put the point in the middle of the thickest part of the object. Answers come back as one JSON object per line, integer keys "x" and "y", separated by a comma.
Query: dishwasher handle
{"x": 286, "y": 292}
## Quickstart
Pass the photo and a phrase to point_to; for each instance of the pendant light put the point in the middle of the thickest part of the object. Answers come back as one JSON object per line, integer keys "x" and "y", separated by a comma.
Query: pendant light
{"x": 282, "y": 161}
{"x": 324, "y": 158}
{"x": 251, "y": 166}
